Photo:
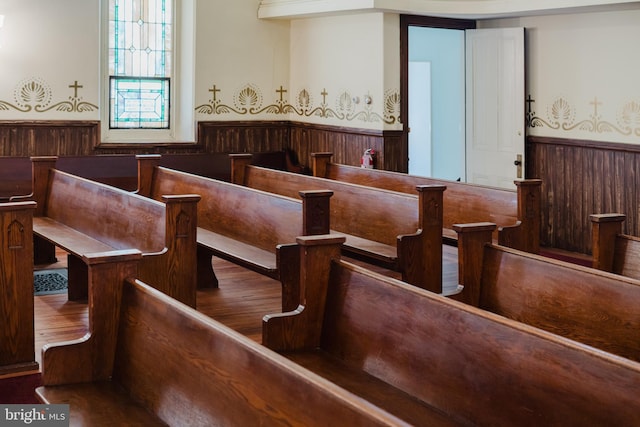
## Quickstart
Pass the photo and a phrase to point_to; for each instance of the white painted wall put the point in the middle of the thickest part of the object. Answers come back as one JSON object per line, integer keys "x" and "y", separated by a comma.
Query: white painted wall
{"x": 341, "y": 62}
{"x": 46, "y": 47}
{"x": 243, "y": 57}
{"x": 576, "y": 60}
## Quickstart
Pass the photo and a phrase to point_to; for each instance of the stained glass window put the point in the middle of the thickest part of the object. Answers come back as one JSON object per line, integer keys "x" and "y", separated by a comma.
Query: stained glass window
{"x": 140, "y": 63}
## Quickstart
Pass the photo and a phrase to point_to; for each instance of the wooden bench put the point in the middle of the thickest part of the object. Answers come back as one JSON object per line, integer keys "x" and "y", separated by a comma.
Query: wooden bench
{"x": 612, "y": 250}
{"x": 251, "y": 228}
{"x": 431, "y": 360}
{"x": 581, "y": 303}
{"x": 398, "y": 231}
{"x": 150, "y": 360}
{"x": 83, "y": 216}
{"x": 517, "y": 213}
{"x": 17, "y": 348}
{"x": 15, "y": 177}
{"x": 119, "y": 170}
{"x": 216, "y": 165}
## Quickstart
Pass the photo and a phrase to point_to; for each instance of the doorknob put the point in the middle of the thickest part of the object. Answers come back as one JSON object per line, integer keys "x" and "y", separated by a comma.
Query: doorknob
{"x": 518, "y": 163}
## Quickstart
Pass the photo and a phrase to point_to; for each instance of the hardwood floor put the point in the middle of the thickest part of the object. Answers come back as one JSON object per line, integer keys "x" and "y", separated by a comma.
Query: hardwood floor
{"x": 241, "y": 300}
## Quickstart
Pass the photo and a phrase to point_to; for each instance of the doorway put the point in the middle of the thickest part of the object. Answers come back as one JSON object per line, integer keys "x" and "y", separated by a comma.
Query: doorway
{"x": 475, "y": 124}
{"x": 437, "y": 135}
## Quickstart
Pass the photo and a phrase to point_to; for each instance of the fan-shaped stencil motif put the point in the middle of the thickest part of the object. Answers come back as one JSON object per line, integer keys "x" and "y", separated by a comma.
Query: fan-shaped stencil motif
{"x": 304, "y": 99}
{"x": 248, "y": 97}
{"x": 630, "y": 116}
{"x": 345, "y": 103}
{"x": 33, "y": 92}
{"x": 391, "y": 104}
{"x": 561, "y": 110}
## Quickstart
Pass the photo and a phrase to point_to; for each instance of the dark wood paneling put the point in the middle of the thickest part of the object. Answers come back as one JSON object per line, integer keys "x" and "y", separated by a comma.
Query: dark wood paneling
{"x": 243, "y": 136}
{"x": 396, "y": 152}
{"x": 48, "y": 138}
{"x": 349, "y": 144}
{"x": 580, "y": 178}
{"x": 82, "y": 138}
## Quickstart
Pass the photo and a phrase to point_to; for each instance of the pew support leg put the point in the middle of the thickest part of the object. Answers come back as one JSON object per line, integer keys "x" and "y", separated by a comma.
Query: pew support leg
{"x": 44, "y": 252}
{"x": 288, "y": 262}
{"x": 206, "y": 276}
{"x": 77, "y": 282}
{"x": 421, "y": 260}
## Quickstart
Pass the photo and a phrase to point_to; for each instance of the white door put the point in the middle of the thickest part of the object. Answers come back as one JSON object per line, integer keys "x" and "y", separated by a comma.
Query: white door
{"x": 420, "y": 118}
{"x": 495, "y": 106}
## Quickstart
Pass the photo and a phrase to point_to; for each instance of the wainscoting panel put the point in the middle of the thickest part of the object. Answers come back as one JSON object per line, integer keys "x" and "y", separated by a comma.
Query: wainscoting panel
{"x": 48, "y": 138}
{"x": 349, "y": 144}
{"x": 243, "y": 136}
{"x": 82, "y": 138}
{"x": 580, "y": 178}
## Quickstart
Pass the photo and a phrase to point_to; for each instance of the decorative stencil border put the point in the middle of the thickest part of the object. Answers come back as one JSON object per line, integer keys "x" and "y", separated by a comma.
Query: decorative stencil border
{"x": 561, "y": 115}
{"x": 248, "y": 100}
{"x": 35, "y": 94}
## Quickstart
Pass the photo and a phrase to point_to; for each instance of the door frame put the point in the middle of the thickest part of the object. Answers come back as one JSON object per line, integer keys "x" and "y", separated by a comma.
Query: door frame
{"x": 407, "y": 21}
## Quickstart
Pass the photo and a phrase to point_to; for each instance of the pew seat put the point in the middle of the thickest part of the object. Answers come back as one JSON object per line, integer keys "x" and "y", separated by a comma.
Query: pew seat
{"x": 151, "y": 360}
{"x": 371, "y": 388}
{"x": 243, "y": 253}
{"x": 83, "y": 216}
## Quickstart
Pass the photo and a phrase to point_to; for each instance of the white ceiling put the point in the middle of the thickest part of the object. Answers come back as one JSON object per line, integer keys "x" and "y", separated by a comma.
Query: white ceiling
{"x": 467, "y": 9}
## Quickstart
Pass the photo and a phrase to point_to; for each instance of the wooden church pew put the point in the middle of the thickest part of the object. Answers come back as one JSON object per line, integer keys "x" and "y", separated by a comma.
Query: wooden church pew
{"x": 83, "y": 216}
{"x": 422, "y": 356}
{"x": 15, "y": 177}
{"x": 17, "y": 348}
{"x": 151, "y": 360}
{"x": 517, "y": 213}
{"x": 613, "y": 251}
{"x": 398, "y": 231}
{"x": 581, "y": 303}
{"x": 251, "y": 228}
{"x": 119, "y": 170}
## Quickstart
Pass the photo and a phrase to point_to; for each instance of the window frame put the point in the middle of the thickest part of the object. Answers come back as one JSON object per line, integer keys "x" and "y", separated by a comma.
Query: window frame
{"x": 181, "y": 129}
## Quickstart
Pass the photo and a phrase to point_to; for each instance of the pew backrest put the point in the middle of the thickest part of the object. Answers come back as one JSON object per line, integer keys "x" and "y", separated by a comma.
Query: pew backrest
{"x": 581, "y": 303}
{"x": 223, "y": 377}
{"x": 516, "y": 211}
{"x": 612, "y": 250}
{"x": 262, "y": 219}
{"x": 475, "y": 366}
{"x": 105, "y": 213}
{"x": 355, "y": 209}
{"x": 399, "y": 231}
{"x": 15, "y": 177}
